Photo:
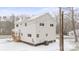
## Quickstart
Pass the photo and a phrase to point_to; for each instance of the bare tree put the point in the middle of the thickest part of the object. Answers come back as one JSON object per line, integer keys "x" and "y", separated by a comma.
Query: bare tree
{"x": 73, "y": 23}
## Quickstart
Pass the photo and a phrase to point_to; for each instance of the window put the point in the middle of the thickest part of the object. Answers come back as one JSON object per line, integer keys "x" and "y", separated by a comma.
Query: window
{"x": 37, "y": 35}
{"x": 32, "y": 40}
{"x": 46, "y": 35}
{"x": 51, "y": 25}
{"x": 17, "y": 25}
{"x": 41, "y": 24}
{"x": 25, "y": 24}
{"x": 21, "y": 34}
{"x": 29, "y": 35}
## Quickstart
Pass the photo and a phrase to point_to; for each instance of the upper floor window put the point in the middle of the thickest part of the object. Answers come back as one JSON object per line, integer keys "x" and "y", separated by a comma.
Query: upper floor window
{"x": 46, "y": 35}
{"x": 37, "y": 35}
{"x": 25, "y": 24}
{"x": 51, "y": 25}
{"x": 29, "y": 35}
{"x": 17, "y": 25}
{"x": 41, "y": 24}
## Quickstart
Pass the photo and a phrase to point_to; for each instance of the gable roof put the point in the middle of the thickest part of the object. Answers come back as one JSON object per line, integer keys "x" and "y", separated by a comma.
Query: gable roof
{"x": 37, "y": 16}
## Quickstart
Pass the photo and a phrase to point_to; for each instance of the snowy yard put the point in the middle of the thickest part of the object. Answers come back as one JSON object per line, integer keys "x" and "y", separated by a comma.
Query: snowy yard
{"x": 7, "y": 44}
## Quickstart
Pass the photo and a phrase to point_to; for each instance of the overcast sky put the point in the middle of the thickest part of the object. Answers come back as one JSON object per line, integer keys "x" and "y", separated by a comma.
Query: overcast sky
{"x": 27, "y": 10}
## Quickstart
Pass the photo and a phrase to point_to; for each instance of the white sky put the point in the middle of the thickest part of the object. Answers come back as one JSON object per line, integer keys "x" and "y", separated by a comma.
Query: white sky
{"x": 26, "y": 10}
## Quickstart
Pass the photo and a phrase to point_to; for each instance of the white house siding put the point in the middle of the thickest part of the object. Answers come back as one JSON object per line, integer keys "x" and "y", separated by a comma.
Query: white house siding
{"x": 29, "y": 29}
{"x": 41, "y": 29}
{"x": 17, "y": 29}
{"x": 33, "y": 27}
{"x": 46, "y": 29}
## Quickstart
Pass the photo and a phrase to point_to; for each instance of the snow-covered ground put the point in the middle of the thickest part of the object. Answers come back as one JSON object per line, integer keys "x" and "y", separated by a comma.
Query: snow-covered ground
{"x": 7, "y": 44}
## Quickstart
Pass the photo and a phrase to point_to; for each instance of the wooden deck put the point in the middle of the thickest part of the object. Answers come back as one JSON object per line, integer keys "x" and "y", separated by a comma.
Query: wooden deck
{"x": 15, "y": 37}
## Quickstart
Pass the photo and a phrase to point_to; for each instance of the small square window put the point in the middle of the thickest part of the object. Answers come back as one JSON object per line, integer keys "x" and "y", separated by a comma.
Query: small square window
{"x": 51, "y": 25}
{"x": 21, "y": 34}
{"x": 41, "y": 24}
{"x": 29, "y": 35}
{"x": 25, "y": 24}
{"x": 46, "y": 35}
{"x": 37, "y": 35}
{"x": 17, "y": 25}
{"x": 32, "y": 40}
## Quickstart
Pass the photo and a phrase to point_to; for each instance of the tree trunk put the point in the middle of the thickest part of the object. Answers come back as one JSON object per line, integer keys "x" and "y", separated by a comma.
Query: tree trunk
{"x": 73, "y": 23}
{"x": 61, "y": 31}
